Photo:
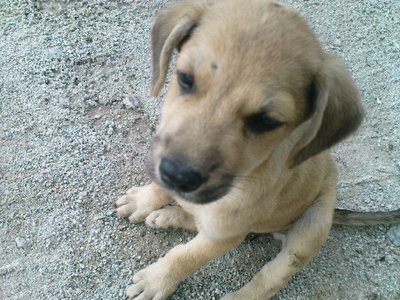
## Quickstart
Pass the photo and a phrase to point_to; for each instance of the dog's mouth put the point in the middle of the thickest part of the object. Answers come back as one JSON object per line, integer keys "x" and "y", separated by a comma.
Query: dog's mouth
{"x": 209, "y": 194}
{"x": 204, "y": 195}
{"x": 209, "y": 191}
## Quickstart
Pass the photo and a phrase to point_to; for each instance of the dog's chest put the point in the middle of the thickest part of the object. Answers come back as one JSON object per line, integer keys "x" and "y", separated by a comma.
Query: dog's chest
{"x": 224, "y": 219}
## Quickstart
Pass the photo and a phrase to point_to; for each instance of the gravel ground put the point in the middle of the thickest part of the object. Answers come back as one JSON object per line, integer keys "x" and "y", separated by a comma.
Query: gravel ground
{"x": 76, "y": 120}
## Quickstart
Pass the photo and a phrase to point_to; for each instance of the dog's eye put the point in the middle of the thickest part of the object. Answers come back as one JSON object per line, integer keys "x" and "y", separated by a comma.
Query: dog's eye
{"x": 260, "y": 123}
{"x": 186, "y": 82}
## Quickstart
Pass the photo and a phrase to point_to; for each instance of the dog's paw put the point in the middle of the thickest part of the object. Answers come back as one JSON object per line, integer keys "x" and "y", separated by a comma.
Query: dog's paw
{"x": 157, "y": 220}
{"x": 139, "y": 202}
{"x": 164, "y": 217}
{"x": 171, "y": 216}
{"x": 152, "y": 283}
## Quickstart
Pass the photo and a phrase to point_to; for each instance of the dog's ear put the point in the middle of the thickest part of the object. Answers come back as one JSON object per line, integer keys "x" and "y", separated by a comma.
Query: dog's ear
{"x": 336, "y": 111}
{"x": 171, "y": 28}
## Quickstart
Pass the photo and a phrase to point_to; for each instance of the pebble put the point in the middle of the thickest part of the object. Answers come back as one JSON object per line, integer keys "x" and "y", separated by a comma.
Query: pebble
{"x": 110, "y": 130}
{"x": 54, "y": 52}
{"x": 359, "y": 35}
{"x": 131, "y": 102}
{"x": 337, "y": 43}
{"x": 82, "y": 194}
{"x": 106, "y": 148}
{"x": 110, "y": 212}
{"x": 21, "y": 242}
{"x": 13, "y": 266}
{"x": 394, "y": 235}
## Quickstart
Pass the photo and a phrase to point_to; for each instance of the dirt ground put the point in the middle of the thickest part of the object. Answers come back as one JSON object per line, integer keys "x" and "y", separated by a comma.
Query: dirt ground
{"x": 76, "y": 119}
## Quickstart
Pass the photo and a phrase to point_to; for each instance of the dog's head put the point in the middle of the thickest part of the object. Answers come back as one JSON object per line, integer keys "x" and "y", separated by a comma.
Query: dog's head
{"x": 248, "y": 74}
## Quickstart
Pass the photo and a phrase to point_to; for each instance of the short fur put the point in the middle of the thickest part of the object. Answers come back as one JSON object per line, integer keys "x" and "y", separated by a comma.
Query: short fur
{"x": 247, "y": 58}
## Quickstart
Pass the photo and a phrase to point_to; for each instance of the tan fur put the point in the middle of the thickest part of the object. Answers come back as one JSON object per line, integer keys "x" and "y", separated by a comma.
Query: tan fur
{"x": 246, "y": 57}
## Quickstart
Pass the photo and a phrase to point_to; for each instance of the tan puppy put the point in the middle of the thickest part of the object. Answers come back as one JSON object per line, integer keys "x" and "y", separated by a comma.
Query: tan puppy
{"x": 253, "y": 106}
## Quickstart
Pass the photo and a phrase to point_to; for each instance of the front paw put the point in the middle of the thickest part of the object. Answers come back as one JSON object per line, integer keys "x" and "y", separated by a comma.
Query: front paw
{"x": 152, "y": 283}
{"x": 139, "y": 202}
{"x": 169, "y": 216}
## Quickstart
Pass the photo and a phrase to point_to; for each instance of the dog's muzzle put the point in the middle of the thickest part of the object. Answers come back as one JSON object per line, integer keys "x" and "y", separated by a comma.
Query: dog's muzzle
{"x": 173, "y": 172}
{"x": 179, "y": 177}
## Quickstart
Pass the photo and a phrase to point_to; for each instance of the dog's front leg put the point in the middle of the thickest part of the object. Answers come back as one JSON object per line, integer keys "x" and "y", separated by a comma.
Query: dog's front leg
{"x": 139, "y": 202}
{"x": 160, "y": 279}
{"x": 299, "y": 245}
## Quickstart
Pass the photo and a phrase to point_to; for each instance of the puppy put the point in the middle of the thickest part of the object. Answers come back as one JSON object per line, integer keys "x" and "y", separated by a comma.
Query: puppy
{"x": 253, "y": 106}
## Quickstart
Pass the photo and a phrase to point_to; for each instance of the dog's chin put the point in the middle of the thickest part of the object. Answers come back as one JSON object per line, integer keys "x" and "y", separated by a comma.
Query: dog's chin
{"x": 203, "y": 196}
{"x": 206, "y": 195}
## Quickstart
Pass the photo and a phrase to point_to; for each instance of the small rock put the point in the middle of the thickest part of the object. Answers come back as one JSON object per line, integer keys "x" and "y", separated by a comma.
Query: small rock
{"x": 21, "y": 242}
{"x": 54, "y": 52}
{"x": 106, "y": 148}
{"x": 5, "y": 269}
{"x": 359, "y": 35}
{"x": 64, "y": 100}
{"x": 394, "y": 234}
{"x": 122, "y": 227}
{"x": 110, "y": 212}
{"x": 82, "y": 194}
{"x": 91, "y": 103}
{"x": 110, "y": 130}
{"x": 337, "y": 43}
{"x": 131, "y": 102}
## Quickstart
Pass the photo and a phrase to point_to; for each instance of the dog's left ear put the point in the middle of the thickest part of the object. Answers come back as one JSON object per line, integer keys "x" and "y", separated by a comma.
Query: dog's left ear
{"x": 172, "y": 26}
{"x": 336, "y": 111}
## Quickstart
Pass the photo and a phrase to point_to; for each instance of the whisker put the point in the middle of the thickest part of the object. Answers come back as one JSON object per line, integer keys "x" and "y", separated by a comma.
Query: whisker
{"x": 236, "y": 187}
{"x": 246, "y": 178}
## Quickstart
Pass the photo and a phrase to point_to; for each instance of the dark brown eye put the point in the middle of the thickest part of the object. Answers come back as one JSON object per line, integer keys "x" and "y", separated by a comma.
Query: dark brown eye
{"x": 186, "y": 82}
{"x": 260, "y": 123}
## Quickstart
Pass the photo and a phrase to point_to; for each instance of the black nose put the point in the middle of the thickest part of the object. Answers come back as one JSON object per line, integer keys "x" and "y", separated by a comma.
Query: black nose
{"x": 180, "y": 177}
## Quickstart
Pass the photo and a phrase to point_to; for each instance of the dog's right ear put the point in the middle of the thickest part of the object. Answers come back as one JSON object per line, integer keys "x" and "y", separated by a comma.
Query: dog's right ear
{"x": 172, "y": 26}
{"x": 336, "y": 112}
